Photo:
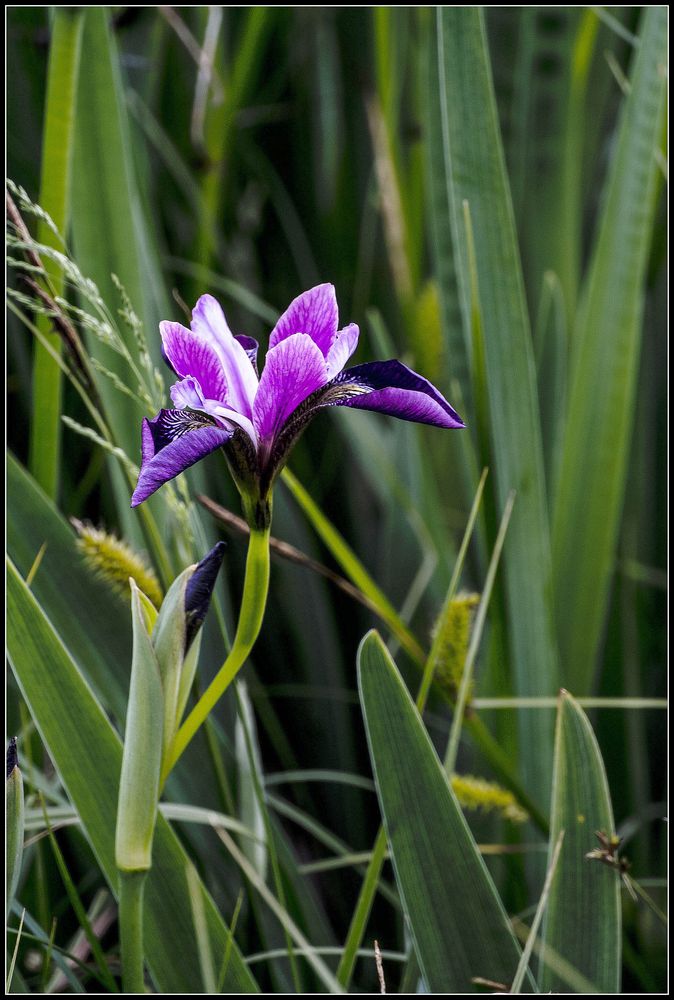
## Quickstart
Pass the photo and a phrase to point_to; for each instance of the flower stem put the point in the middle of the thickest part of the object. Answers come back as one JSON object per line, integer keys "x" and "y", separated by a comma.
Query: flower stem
{"x": 131, "y": 885}
{"x": 253, "y": 603}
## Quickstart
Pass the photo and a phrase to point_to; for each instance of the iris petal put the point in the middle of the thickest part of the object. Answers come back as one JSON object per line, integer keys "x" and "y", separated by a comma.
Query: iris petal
{"x": 190, "y": 355}
{"x": 295, "y": 368}
{"x": 210, "y": 326}
{"x": 172, "y": 442}
{"x": 343, "y": 346}
{"x": 393, "y": 388}
{"x": 314, "y": 313}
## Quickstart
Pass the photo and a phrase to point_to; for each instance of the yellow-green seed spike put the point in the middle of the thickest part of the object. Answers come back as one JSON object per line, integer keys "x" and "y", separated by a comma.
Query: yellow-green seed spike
{"x": 452, "y": 637}
{"x": 487, "y": 796}
{"x": 114, "y": 561}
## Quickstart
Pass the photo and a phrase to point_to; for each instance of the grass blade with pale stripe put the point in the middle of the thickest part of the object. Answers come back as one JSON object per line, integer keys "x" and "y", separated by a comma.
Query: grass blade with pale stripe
{"x": 582, "y": 921}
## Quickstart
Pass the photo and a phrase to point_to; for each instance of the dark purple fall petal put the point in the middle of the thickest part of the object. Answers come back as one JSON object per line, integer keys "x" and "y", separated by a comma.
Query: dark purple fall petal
{"x": 393, "y": 388}
{"x": 294, "y": 369}
{"x": 172, "y": 442}
{"x": 314, "y": 313}
{"x": 199, "y": 589}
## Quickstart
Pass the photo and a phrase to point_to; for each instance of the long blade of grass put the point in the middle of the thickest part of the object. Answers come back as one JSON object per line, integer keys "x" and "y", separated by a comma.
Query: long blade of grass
{"x": 458, "y": 923}
{"x": 57, "y": 152}
{"x": 582, "y": 921}
{"x": 110, "y": 233}
{"x": 88, "y": 756}
{"x": 475, "y": 173}
{"x": 605, "y": 358}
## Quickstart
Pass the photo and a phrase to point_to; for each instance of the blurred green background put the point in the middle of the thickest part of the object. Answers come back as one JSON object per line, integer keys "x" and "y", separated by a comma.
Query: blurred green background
{"x": 254, "y": 152}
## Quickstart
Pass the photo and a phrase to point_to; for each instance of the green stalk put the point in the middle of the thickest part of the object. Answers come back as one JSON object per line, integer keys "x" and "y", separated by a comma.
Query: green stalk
{"x": 131, "y": 886}
{"x": 59, "y": 128}
{"x": 253, "y": 603}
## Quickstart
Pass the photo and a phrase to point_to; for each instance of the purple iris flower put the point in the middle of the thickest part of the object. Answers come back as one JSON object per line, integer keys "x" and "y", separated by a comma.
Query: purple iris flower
{"x": 221, "y": 402}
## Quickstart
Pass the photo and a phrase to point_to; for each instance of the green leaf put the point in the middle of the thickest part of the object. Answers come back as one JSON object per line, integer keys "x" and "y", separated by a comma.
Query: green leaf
{"x": 582, "y": 921}
{"x": 458, "y": 923}
{"x": 88, "y": 756}
{"x": 141, "y": 760}
{"x": 57, "y": 151}
{"x": 475, "y": 173}
{"x": 98, "y": 637}
{"x": 110, "y": 233}
{"x": 604, "y": 366}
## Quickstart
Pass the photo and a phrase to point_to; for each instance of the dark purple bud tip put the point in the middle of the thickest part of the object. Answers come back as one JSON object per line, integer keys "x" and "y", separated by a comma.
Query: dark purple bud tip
{"x": 199, "y": 590}
{"x": 12, "y": 756}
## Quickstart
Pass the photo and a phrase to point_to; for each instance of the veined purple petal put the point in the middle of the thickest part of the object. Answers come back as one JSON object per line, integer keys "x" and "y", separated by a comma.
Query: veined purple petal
{"x": 172, "y": 442}
{"x": 393, "y": 388}
{"x": 210, "y": 325}
{"x": 190, "y": 355}
{"x": 343, "y": 346}
{"x": 314, "y": 313}
{"x": 294, "y": 369}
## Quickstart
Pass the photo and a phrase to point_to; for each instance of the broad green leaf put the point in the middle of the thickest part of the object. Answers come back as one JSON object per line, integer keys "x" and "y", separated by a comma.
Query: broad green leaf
{"x": 57, "y": 151}
{"x": 458, "y": 923}
{"x": 604, "y": 365}
{"x": 475, "y": 173}
{"x": 582, "y": 921}
{"x": 88, "y": 756}
{"x": 98, "y": 637}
